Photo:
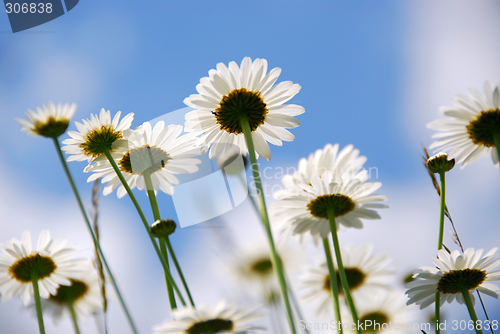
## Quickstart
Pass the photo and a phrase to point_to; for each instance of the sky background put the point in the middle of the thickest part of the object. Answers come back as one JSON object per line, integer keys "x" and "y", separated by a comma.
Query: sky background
{"x": 373, "y": 74}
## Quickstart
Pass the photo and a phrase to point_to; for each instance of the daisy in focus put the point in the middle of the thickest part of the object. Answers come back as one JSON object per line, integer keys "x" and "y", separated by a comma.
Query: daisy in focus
{"x": 366, "y": 273}
{"x": 473, "y": 129}
{"x": 384, "y": 312}
{"x": 49, "y": 121}
{"x": 350, "y": 197}
{"x": 51, "y": 264}
{"x": 83, "y": 295}
{"x": 160, "y": 151}
{"x": 96, "y": 135}
{"x": 454, "y": 274}
{"x": 231, "y": 95}
{"x": 211, "y": 320}
{"x": 328, "y": 158}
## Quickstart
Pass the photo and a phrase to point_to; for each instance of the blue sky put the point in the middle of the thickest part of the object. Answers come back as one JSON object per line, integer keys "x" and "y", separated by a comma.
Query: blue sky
{"x": 372, "y": 74}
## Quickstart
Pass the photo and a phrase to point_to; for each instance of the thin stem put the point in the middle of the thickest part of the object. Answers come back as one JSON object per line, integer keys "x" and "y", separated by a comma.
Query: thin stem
{"x": 94, "y": 239}
{"x": 441, "y": 211}
{"x": 437, "y": 310}
{"x": 333, "y": 282}
{"x": 145, "y": 223}
{"x": 163, "y": 249}
{"x": 265, "y": 220}
{"x": 38, "y": 303}
{"x": 170, "y": 290}
{"x": 72, "y": 312}
{"x": 470, "y": 308}
{"x": 179, "y": 271}
{"x": 295, "y": 303}
{"x": 343, "y": 277}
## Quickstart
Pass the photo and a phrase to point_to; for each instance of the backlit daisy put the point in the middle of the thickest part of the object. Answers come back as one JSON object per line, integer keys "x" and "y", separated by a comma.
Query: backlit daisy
{"x": 365, "y": 273}
{"x": 350, "y": 197}
{"x": 160, "y": 151}
{"x": 221, "y": 319}
{"x": 473, "y": 128}
{"x": 470, "y": 270}
{"x": 383, "y": 312}
{"x": 83, "y": 294}
{"x": 49, "y": 121}
{"x": 328, "y": 158}
{"x": 51, "y": 262}
{"x": 95, "y": 135}
{"x": 232, "y": 94}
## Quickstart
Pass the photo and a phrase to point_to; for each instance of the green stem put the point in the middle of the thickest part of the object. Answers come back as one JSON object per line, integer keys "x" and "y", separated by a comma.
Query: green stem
{"x": 496, "y": 138}
{"x": 442, "y": 209}
{"x": 94, "y": 238}
{"x": 179, "y": 271}
{"x": 343, "y": 277}
{"x": 38, "y": 303}
{"x": 265, "y": 220}
{"x": 333, "y": 282}
{"x": 170, "y": 290}
{"x": 156, "y": 214}
{"x": 145, "y": 223}
{"x": 437, "y": 310}
{"x": 295, "y": 303}
{"x": 72, "y": 312}
{"x": 470, "y": 308}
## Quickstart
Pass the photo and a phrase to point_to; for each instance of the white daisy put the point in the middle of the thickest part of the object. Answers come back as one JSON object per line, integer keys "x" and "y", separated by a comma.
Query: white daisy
{"x": 84, "y": 294}
{"x": 52, "y": 262}
{"x": 48, "y": 121}
{"x": 350, "y": 197}
{"x": 365, "y": 273}
{"x": 159, "y": 151}
{"x": 231, "y": 94}
{"x": 251, "y": 268}
{"x": 470, "y": 131}
{"x": 328, "y": 158}
{"x": 470, "y": 269}
{"x": 383, "y": 312}
{"x": 96, "y": 135}
{"x": 221, "y": 319}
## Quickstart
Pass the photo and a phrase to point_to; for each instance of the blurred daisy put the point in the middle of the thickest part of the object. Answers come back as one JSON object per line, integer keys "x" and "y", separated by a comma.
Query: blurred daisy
{"x": 96, "y": 135}
{"x": 231, "y": 94}
{"x": 350, "y": 197}
{"x": 159, "y": 151}
{"x": 203, "y": 320}
{"x": 473, "y": 128}
{"x": 365, "y": 273}
{"x": 83, "y": 294}
{"x": 328, "y": 158}
{"x": 52, "y": 263}
{"x": 470, "y": 269}
{"x": 383, "y": 312}
{"x": 49, "y": 121}
{"x": 252, "y": 268}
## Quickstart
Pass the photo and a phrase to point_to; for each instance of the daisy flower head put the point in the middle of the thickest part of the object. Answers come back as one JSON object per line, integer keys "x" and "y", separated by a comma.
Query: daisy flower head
{"x": 234, "y": 94}
{"x": 96, "y": 135}
{"x": 221, "y": 319}
{"x": 159, "y": 151}
{"x": 350, "y": 198}
{"x": 51, "y": 263}
{"x": 472, "y": 129}
{"x": 83, "y": 294}
{"x": 48, "y": 121}
{"x": 455, "y": 273}
{"x": 440, "y": 163}
{"x": 383, "y": 312}
{"x": 365, "y": 273}
{"x": 328, "y": 158}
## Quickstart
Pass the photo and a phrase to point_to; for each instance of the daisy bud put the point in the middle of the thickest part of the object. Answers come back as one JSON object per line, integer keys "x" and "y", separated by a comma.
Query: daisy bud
{"x": 440, "y": 163}
{"x": 163, "y": 228}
